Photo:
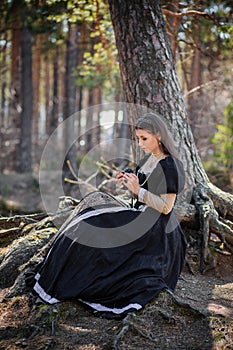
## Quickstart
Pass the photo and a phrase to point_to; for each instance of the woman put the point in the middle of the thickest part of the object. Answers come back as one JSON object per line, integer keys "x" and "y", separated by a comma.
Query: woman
{"x": 115, "y": 258}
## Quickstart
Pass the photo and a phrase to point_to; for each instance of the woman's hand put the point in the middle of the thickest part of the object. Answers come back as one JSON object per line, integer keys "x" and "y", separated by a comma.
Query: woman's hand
{"x": 120, "y": 177}
{"x": 131, "y": 182}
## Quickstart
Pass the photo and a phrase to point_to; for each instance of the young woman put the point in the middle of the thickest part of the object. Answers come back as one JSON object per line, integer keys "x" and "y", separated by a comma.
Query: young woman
{"x": 114, "y": 258}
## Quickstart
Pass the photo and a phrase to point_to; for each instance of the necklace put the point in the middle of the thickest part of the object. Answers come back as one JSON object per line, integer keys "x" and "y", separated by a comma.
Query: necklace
{"x": 145, "y": 180}
{"x": 157, "y": 154}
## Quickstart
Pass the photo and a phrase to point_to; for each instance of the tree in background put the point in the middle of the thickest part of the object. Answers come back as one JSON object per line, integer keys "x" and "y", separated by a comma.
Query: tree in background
{"x": 200, "y": 34}
{"x": 25, "y": 158}
{"x": 70, "y": 96}
{"x": 94, "y": 73}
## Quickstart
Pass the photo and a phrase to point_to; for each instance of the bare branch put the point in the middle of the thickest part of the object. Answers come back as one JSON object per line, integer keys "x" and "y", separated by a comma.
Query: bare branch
{"x": 187, "y": 13}
{"x": 199, "y": 87}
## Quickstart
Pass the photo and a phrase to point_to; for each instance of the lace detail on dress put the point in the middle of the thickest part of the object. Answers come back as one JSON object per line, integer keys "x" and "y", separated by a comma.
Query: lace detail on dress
{"x": 146, "y": 169}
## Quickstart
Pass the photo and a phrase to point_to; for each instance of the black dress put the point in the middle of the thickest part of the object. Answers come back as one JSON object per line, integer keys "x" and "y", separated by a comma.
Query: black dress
{"x": 116, "y": 258}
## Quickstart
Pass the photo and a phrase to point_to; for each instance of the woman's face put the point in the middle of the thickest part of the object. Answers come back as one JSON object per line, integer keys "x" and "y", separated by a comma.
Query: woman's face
{"x": 148, "y": 142}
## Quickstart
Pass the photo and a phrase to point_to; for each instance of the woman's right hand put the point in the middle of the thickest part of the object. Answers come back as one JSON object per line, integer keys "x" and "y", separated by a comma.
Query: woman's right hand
{"x": 120, "y": 177}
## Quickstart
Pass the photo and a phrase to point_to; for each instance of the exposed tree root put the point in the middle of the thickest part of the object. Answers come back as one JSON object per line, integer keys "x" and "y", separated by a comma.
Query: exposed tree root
{"x": 119, "y": 336}
{"x": 213, "y": 217}
{"x": 223, "y": 201}
{"x": 33, "y": 237}
{"x": 166, "y": 305}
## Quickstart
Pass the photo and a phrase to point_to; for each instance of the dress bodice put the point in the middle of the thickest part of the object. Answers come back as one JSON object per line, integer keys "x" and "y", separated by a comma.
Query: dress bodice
{"x": 166, "y": 177}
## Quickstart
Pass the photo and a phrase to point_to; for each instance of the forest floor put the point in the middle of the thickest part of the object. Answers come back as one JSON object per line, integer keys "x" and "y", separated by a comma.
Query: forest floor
{"x": 163, "y": 324}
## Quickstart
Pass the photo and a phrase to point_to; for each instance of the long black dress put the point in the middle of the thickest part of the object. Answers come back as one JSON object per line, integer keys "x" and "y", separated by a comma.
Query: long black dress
{"x": 116, "y": 258}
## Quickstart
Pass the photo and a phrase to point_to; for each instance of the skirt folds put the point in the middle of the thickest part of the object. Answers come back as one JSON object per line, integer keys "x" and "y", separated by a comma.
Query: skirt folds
{"x": 112, "y": 259}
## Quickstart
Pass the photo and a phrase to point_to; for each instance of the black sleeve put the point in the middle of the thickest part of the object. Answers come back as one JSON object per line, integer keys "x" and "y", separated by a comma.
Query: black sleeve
{"x": 168, "y": 177}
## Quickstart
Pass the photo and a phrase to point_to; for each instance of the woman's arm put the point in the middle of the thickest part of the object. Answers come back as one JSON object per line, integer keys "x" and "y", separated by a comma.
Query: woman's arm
{"x": 163, "y": 203}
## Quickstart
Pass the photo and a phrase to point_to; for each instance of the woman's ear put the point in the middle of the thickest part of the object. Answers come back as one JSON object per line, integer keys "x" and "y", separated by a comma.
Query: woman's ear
{"x": 158, "y": 136}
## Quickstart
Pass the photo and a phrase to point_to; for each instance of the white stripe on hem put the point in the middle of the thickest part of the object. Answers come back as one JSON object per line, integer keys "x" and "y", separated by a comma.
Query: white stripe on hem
{"x": 115, "y": 310}
{"x": 99, "y": 307}
{"x": 43, "y": 295}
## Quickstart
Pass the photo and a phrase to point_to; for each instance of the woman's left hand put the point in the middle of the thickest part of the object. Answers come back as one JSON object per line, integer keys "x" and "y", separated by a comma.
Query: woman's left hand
{"x": 131, "y": 182}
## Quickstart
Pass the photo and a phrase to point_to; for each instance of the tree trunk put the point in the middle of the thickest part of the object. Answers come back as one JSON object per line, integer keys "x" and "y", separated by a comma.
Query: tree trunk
{"x": 82, "y": 43}
{"x": 47, "y": 88}
{"x": 15, "y": 95}
{"x": 71, "y": 64}
{"x": 142, "y": 42}
{"x": 149, "y": 79}
{"x": 3, "y": 78}
{"x": 36, "y": 79}
{"x": 36, "y": 68}
{"x": 70, "y": 98}
{"x": 89, "y": 121}
{"x": 53, "y": 120}
{"x": 97, "y": 102}
{"x": 15, "y": 107}
{"x": 25, "y": 161}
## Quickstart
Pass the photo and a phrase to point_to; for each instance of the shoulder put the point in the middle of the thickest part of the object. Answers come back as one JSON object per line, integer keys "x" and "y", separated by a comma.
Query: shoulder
{"x": 171, "y": 162}
{"x": 173, "y": 171}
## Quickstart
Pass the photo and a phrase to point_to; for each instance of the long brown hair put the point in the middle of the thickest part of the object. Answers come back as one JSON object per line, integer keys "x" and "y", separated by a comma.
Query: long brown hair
{"x": 154, "y": 124}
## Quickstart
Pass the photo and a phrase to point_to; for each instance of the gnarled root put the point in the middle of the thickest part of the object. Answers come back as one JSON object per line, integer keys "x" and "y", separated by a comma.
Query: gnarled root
{"x": 214, "y": 217}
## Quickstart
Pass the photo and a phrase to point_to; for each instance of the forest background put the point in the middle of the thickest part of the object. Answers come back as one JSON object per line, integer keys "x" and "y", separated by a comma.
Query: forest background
{"x": 59, "y": 57}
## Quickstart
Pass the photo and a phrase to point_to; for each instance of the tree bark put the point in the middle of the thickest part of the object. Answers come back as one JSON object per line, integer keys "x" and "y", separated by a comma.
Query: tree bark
{"x": 148, "y": 73}
{"x": 149, "y": 79}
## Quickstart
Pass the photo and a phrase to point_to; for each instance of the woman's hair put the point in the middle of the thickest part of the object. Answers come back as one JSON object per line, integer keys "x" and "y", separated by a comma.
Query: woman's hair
{"x": 154, "y": 124}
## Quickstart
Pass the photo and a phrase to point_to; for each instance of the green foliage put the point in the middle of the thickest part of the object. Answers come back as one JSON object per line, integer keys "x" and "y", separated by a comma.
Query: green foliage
{"x": 215, "y": 30}
{"x": 223, "y": 139}
{"x": 99, "y": 67}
